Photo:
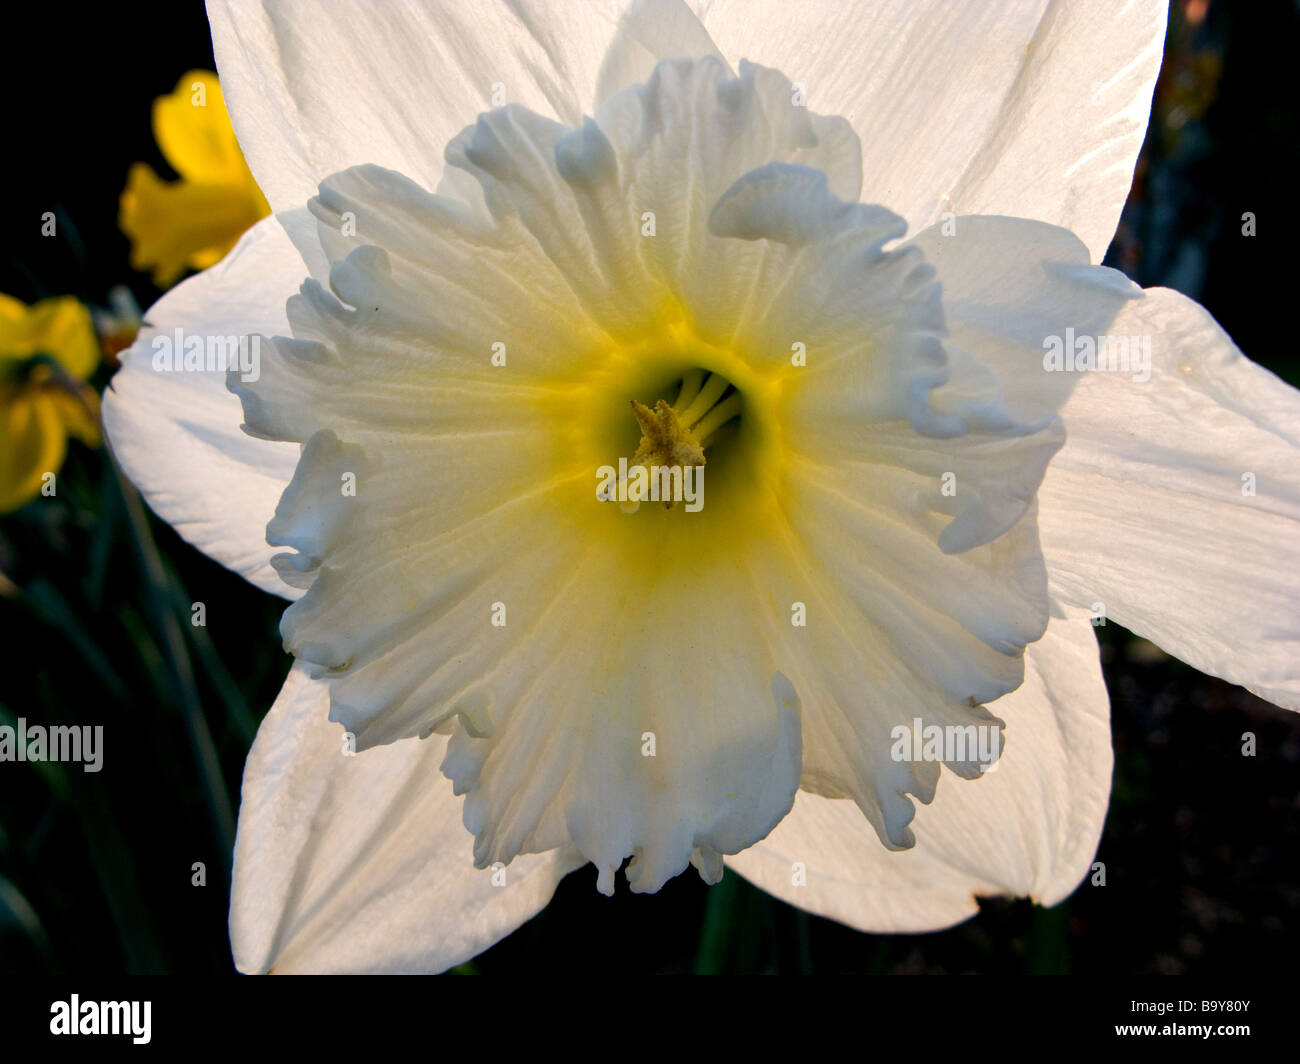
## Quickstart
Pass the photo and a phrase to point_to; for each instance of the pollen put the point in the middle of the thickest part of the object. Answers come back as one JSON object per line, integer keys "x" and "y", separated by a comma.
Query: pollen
{"x": 675, "y": 436}
{"x": 665, "y": 441}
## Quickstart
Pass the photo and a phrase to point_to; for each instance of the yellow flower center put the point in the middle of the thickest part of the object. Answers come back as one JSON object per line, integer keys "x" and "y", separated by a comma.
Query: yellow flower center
{"x": 693, "y": 404}
{"x": 674, "y": 437}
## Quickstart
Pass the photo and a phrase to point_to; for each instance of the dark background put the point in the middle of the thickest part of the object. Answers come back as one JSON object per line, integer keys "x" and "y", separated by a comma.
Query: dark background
{"x": 95, "y": 869}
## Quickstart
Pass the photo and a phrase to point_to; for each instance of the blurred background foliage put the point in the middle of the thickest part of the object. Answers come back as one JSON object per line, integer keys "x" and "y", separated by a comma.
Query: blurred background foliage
{"x": 96, "y": 869}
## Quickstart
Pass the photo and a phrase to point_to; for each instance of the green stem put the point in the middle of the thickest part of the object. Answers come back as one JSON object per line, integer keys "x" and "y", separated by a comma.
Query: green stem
{"x": 716, "y": 933}
{"x": 182, "y": 672}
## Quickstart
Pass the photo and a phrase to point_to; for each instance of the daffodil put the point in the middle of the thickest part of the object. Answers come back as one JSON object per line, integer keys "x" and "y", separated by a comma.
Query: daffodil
{"x": 516, "y": 243}
{"x": 47, "y": 351}
{"x": 192, "y": 222}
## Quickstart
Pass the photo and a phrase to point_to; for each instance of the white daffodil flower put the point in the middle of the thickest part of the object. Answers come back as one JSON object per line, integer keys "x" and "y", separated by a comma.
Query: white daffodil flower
{"x": 501, "y": 230}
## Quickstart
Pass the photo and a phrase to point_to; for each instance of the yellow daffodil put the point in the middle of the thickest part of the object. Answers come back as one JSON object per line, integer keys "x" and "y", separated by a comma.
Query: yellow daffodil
{"x": 47, "y": 351}
{"x": 190, "y": 223}
{"x": 518, "y": 244}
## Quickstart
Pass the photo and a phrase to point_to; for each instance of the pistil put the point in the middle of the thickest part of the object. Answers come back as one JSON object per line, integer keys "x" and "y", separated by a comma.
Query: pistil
{"x": 676, "y": 435}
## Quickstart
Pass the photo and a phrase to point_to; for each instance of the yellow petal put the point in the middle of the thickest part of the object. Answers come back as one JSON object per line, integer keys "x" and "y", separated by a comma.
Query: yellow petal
{"x": 181, "y": 224}
{"x": 62, "y": 327}
{"x": 12, "y": 311}
{"x": 59, "y": 327}
{"x": 193, "y": 131}
{"x": 32, "y": 443}
{"x": 78, "y": 412}
{"x": 190, "y": 223}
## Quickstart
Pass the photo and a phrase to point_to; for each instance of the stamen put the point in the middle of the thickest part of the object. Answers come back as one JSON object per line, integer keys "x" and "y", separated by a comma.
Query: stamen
{"x": 690, "y": 389}
{"x": 709, "y": 394}
{"x": 716, "y": 418}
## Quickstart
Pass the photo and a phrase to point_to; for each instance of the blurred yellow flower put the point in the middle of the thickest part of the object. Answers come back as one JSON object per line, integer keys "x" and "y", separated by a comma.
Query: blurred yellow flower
{"x": 47, "y": 351}
{"x": 193, "y": 222}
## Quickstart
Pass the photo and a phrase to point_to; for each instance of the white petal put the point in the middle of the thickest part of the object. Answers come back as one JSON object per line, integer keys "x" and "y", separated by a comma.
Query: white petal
{"x": 177, "y": 434}
{"x": 1029, "y": 827}
{"x": 361, "y": 863}
{"x": 1176, "y": 501}
{"x": 315, "y": 88}
{"x": 1009, "y": 283}
{"x": 1143, "y": 511}
{"x": 1034, "y": 109}
{"x": 650, "y": 30}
